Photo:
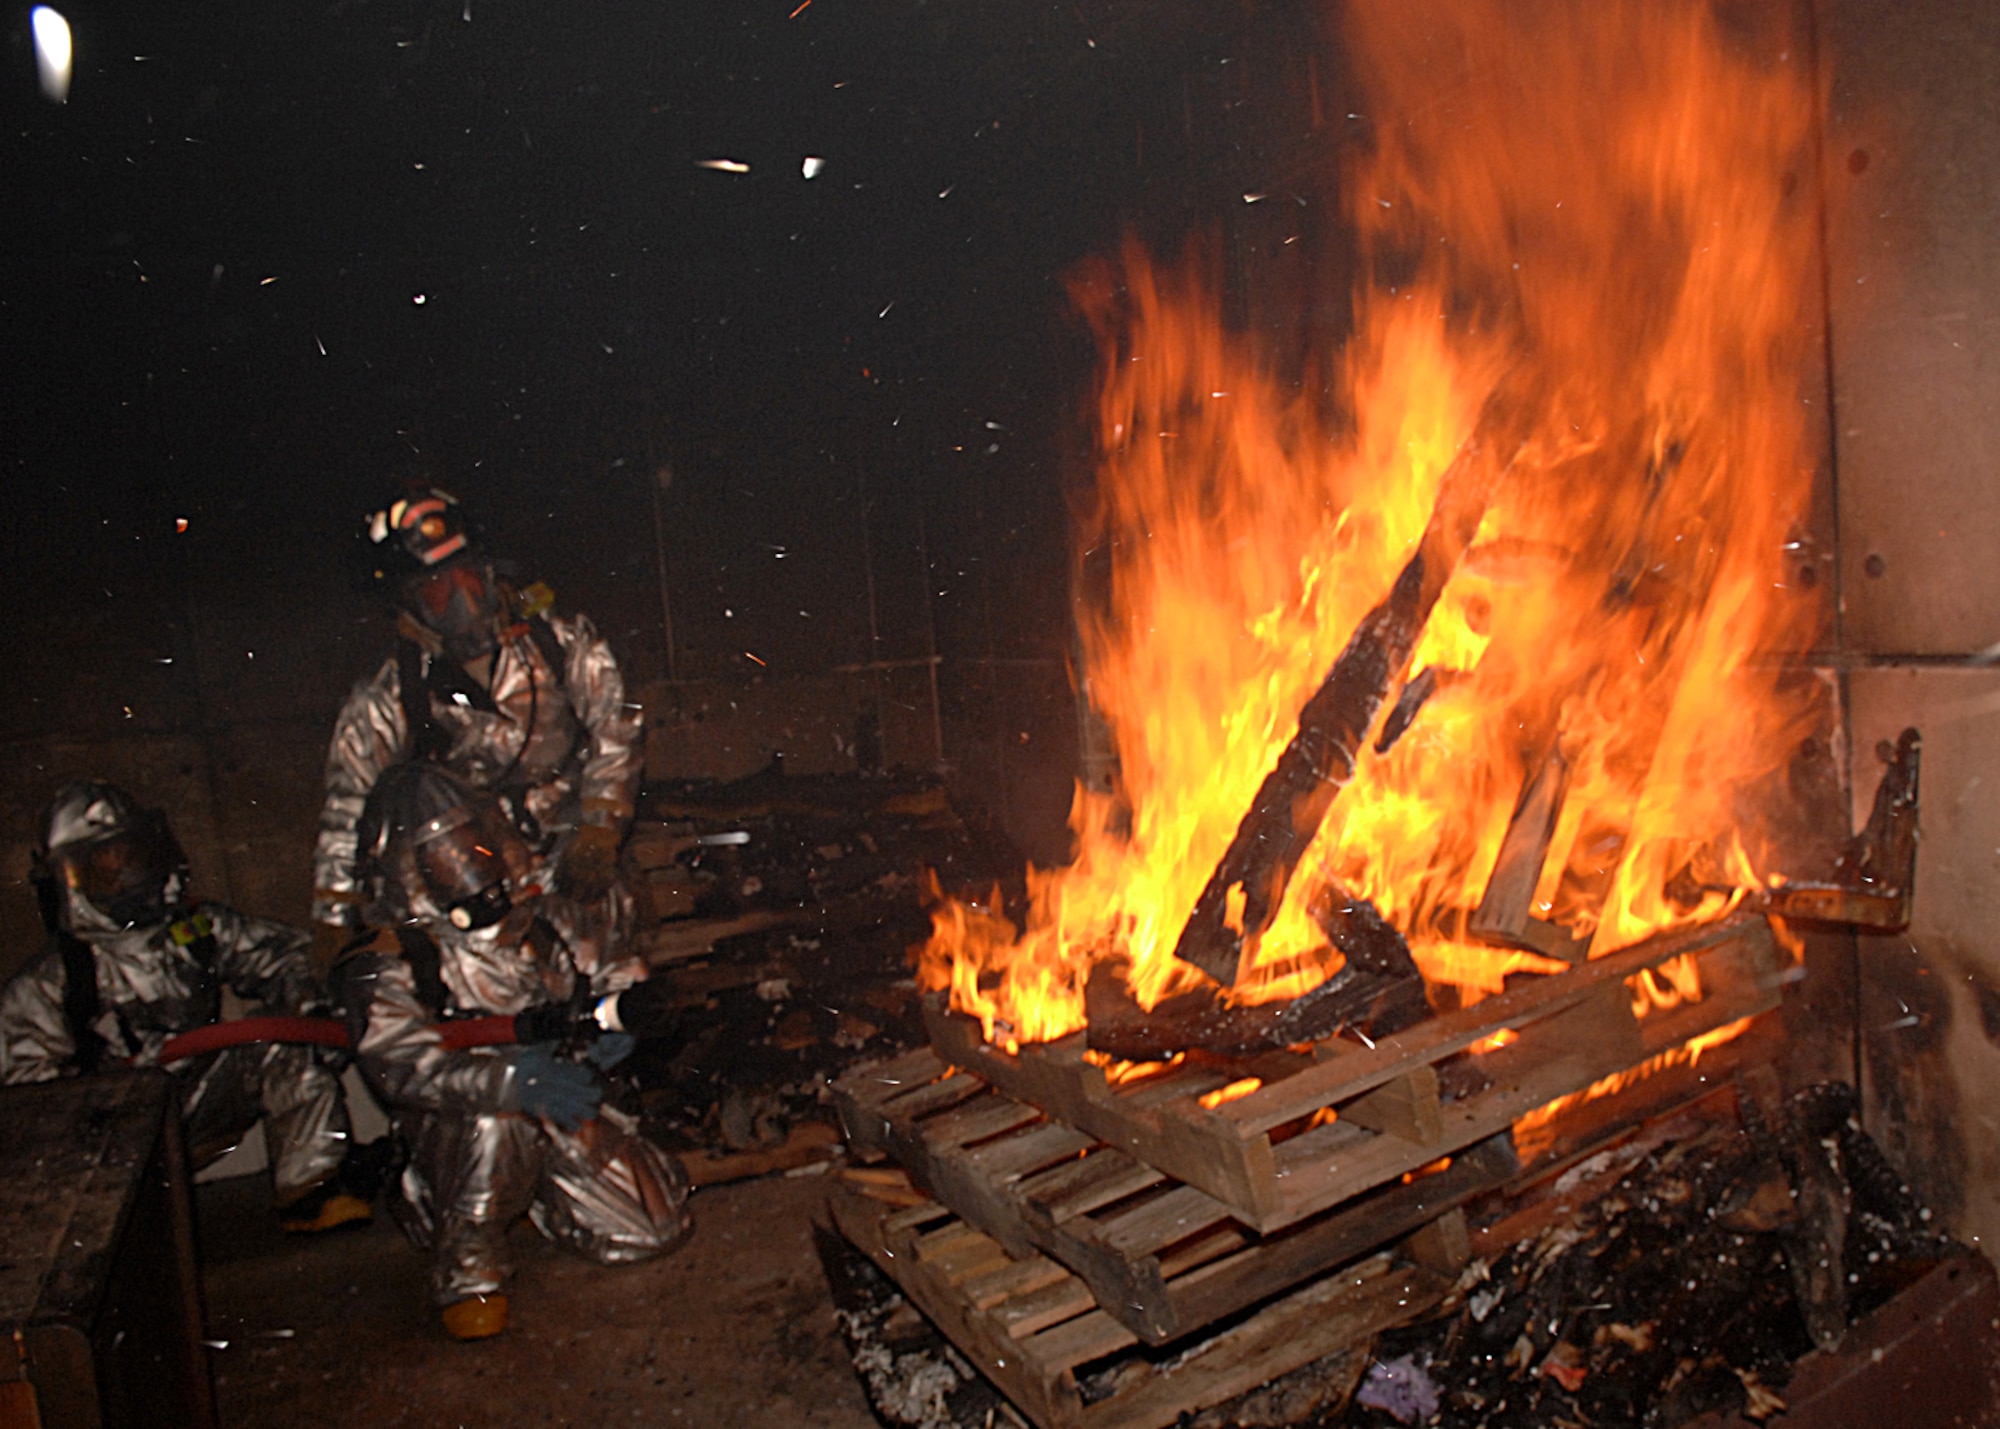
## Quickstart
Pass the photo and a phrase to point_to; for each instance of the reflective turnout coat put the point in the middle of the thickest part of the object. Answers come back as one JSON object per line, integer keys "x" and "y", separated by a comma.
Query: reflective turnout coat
{"x": 154, "y": 982}
{"x": 554, "y": 728}
{"x": 603, "y": 1191}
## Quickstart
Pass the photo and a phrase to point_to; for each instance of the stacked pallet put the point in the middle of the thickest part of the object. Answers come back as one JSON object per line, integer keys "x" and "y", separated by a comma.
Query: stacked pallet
{"x": 1151, "y": 1209}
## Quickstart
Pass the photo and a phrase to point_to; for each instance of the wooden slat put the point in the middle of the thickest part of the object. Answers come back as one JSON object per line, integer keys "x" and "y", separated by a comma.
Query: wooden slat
{"x": 1016, "y": 1278}
{"x": 984, "y": 1116}
{"x": 1335, "y": 1081}
{"x": 1227, "y": 1151}
{"x": 878, "y": 1081}
{"x": 947, "y": 1090}
{"x": 1088, "y": 1337}
{"x": 1078, "y": 1187}
{"x": 1036, "y": 1368}
{"x": 914, "y": 1216}
{"x": 1048, "y": 1305}
{"x": 1181, "y": 1212}
{"x": 1029, "y": 1150}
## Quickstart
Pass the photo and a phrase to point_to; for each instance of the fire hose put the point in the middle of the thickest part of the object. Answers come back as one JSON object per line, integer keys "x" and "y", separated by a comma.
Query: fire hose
{"x": 323, "y": 1032}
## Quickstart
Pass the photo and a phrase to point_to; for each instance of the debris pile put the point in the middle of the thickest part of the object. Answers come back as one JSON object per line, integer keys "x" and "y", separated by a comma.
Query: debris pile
{"x": 781, "y": 909}
{"x": 1676, "y": 1289}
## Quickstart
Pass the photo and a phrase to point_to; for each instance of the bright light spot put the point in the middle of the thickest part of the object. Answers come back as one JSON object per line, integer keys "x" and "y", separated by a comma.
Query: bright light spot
{"x": 180, "y": 525}
{"x": 812, "y": 166}
{"x": 418, "y": 299}
{"x": 723, "y": 166}
{"x": 52, "y": 52}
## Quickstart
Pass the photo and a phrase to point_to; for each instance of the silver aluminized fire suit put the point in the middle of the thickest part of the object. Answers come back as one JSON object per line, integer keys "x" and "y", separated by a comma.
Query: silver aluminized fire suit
{"x": 568, "y": 738}
{"x": 154, "y": 982}
{"x": 604, "y": 1190}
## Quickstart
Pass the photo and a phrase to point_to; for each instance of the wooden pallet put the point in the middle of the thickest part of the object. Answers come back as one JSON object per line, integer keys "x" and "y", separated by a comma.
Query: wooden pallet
{"x": 1036, "y": 1331}
{"x": 1262, "y": 1155}
{"x": 1163, "y": 1258}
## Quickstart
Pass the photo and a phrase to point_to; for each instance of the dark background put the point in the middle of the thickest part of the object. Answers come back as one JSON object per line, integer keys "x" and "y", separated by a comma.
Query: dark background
{"x": 867, "y": 386}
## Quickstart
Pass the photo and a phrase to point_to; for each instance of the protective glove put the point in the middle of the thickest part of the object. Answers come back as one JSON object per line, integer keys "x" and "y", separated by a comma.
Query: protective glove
{"x": 545, "y": 1086}
{"x": 609, "y": 1049}
{"x": 590, "y": 863}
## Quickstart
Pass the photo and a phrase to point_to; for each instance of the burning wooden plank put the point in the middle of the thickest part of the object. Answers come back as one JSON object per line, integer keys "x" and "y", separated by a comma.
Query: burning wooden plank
{"x": 1247, "y": 1149}
{"x": 1243, "y": 894}
{"x": 1505, "y": 915}
{"x": 1378, "y": 990}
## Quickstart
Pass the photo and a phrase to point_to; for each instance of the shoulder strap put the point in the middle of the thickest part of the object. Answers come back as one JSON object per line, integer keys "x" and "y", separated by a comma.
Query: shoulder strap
{"x": 81, "y": 1005}
{"x": 420, "y": 951}
{"x": 550, "y": 646}
{"x": 427, "y": 741}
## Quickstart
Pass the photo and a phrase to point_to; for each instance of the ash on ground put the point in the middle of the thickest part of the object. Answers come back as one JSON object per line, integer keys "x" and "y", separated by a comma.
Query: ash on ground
{"x": 913, "y": 1377}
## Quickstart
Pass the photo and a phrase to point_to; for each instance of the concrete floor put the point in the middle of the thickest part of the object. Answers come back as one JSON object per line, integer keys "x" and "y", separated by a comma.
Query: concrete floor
{"x": 338, "y": 1330}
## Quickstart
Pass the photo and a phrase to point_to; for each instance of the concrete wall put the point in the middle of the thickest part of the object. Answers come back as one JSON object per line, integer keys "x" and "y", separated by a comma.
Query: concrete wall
{"x": 1912, "y": 174}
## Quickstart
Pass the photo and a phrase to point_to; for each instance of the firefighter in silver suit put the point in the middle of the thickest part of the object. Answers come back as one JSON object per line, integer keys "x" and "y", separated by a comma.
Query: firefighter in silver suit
{"x": 131, "y": 962}
{"x": 495, "y": 1132}
{"x": 488, "y": 683}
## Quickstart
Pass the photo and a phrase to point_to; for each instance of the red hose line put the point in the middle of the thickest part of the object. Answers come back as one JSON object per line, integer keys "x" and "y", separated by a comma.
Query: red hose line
{"x": 321, "y": 1032}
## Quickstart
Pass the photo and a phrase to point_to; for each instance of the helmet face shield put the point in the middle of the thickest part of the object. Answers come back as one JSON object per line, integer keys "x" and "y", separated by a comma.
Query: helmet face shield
{"x": 449, "y": 847}
{"x": 121, "y": 860}
{"x": 464, "y": 870}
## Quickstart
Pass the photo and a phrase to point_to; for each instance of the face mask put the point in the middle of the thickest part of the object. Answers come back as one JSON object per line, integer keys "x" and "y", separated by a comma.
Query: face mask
{"x": 462, "y": 606}
{"x": 123, "y": 877}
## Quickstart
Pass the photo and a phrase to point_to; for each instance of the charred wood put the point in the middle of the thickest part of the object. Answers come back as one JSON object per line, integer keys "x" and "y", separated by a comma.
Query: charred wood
{"x": 1319, "y": 762}
{"x": 1815, "y": 1238}
{"x": 1506, "y": 910}
{"x": 1379, "y": 990}
{"x": 1416, "y": 694}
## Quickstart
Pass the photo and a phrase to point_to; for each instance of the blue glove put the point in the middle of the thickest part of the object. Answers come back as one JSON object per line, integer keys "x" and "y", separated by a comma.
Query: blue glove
{"x": 545, "y": 1086}
{"x": 608, "y": 1049}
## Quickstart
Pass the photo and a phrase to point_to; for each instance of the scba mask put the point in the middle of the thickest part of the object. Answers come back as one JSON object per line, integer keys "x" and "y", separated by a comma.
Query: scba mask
{"x": 462, "y": 605}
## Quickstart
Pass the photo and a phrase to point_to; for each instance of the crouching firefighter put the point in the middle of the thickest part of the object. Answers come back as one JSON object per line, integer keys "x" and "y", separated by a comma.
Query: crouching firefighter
{"x": 499, "y": 1131}
{"x": 132, "y": 962}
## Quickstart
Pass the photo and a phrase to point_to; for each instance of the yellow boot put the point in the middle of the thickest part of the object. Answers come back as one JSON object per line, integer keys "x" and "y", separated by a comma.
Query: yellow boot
{"x": 476, "y": 1317}
{"x": 313, "y": 1212}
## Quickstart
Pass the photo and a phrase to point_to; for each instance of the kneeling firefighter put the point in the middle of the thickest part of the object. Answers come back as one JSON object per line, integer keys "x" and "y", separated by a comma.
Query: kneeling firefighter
{"x": 133, "y": 962}
{"x": 496, "y": 1132}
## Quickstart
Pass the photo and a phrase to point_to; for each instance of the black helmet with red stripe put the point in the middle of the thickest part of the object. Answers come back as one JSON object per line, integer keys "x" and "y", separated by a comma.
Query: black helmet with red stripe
{"x": 423, "y": 555}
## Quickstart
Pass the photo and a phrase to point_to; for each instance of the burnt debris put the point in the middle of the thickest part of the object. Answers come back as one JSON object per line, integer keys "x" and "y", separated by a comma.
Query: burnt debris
{"x": 1680, "y": 1289}
{"x": 781, "y": 910}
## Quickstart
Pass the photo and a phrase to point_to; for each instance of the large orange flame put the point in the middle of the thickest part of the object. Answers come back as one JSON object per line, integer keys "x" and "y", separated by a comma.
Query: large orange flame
{"x": 1601, "y": 201}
